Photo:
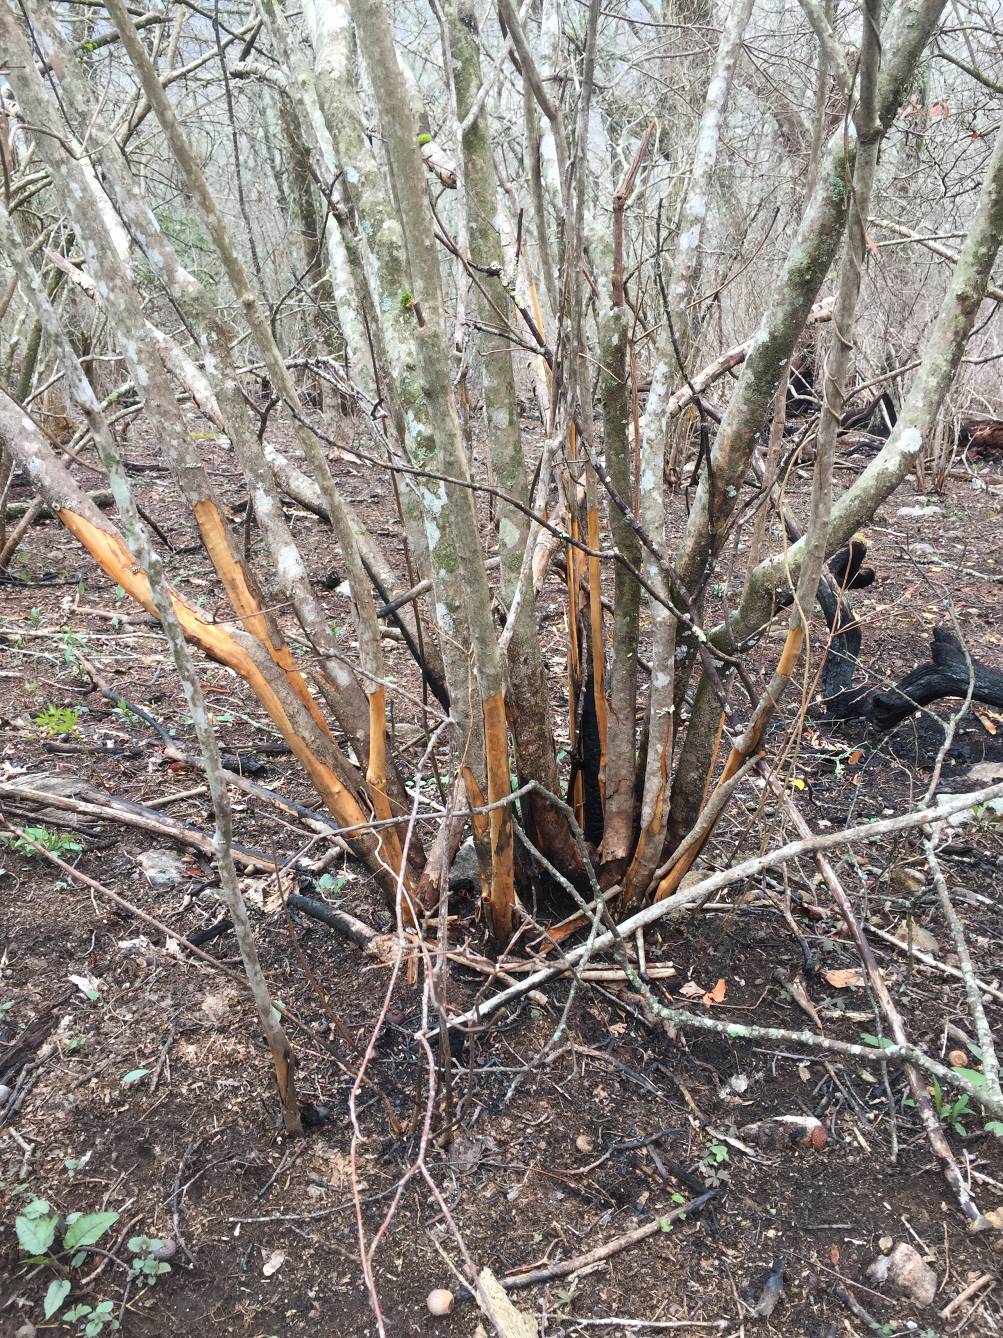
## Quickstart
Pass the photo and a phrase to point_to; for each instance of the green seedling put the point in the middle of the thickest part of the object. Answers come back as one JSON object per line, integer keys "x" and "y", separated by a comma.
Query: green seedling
{"x": 56, "y": 843}
{"x": 58, "y": 720}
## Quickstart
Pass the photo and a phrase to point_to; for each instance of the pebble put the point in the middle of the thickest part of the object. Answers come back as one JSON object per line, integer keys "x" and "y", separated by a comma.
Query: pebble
{"x": 161, "y": 867}
{"x": 465, "y": 875}
{"x": 905, "y": 1270}
{"x": 439, "y": 1302}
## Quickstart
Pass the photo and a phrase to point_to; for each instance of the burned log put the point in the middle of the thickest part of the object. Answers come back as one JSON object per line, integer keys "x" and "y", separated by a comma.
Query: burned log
{"x": 984, "y": 435}
{"x": 878, "y": 416}
{"x": 802, "y": 396}
{"x": 846, "y": 572}
{"x": 948, "y": 674}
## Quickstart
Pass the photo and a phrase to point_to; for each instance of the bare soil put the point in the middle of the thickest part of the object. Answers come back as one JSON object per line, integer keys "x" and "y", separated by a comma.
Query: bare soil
{"x": 531, "y": 1165}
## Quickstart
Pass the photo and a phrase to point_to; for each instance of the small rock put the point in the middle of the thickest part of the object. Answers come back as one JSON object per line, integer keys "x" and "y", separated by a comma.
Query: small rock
{"x": 918, "y": 512}
{"x": 921, "y": 938}
{"x": 216, "y": 1007}
{"x": 907, "y": 880}
{"x": 27, "y": 1330}
{"x": 167, "y": 1251}
{"x": 162, "y": 868}
{"x": 439, "y": 1302}
{"x": 140, "y": 947}
{"x": 465, "y": 875}
{"x": 4, "y": 1093}
{"x": 273, "y": 1263}
{"x": 584, "y": 1144}
{"x": 738, "y": 1083}
{"x": 885, "y": 1244}
{"x": 905, "y": 1270}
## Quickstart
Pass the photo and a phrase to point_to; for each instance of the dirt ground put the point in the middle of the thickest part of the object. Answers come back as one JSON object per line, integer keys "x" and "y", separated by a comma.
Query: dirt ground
{"x": 527, "y": 1164}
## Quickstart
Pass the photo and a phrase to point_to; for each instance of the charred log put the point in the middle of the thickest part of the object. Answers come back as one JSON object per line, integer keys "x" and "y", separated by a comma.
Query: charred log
{"x": 950, "y": 673}
{"x": 801, "y": 394}
{"x": 980, "y": 434}
{"x": 878, "y": 416}
{"x": 846, "y": 572}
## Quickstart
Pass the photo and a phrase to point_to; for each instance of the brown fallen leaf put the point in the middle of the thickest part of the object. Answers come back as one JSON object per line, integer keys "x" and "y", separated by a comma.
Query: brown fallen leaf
{"x": 985, "y": 720}
{"x": 716, "y": 995}
{"x": 844, "y": 979}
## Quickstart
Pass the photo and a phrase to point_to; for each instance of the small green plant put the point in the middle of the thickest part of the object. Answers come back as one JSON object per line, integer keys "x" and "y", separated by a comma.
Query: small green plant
{"x": 73, "y": 646}
{"x": 714, "y": 1160}
{"x": 74, "y": 1164}
{"x": 126, "y": 716}
{"x": 34, "y": 617}
{"x": 146, "y": 1266}
{"x": 950, "y": 1112}
{"x": 57, "y": 720}
{"x": 330, "y": 883}
{"x": 92, "y": 1320}
{"x": 56, "y": 843}
{"x": 37, "y": 1226}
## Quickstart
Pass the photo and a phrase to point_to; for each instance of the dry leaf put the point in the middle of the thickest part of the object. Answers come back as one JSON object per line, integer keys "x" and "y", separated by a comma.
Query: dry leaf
{"x": 269, "y": 892}
{"x": 691, "y": 990}
{"x": 844, "y": 980}
{"x": 716, "y": 995}
{"x": 856, "y": 756}
{"x": 273, "y": 1263}
{"x": 985, "y": 721}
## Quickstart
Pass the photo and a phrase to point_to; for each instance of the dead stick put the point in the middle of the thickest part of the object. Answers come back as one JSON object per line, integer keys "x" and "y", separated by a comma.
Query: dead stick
{"x": 113, "y": 811}
{"x": 611, "y": 1247}
{"x": 930, "y": 961}
{"x": 917, "y": 1086}
{"x": 986, "y": 1280}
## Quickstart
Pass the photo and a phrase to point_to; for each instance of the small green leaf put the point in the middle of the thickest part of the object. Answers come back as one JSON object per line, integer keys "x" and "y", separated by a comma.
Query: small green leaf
{"x": 977, "y": 1079}
{"x": 59, "y": 1289}
{"x": 134, "y": 1075}
{"x": 88, "y": 1229}
{"x": 665, "y": 1224}
{"x": 35, "y": 1234}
